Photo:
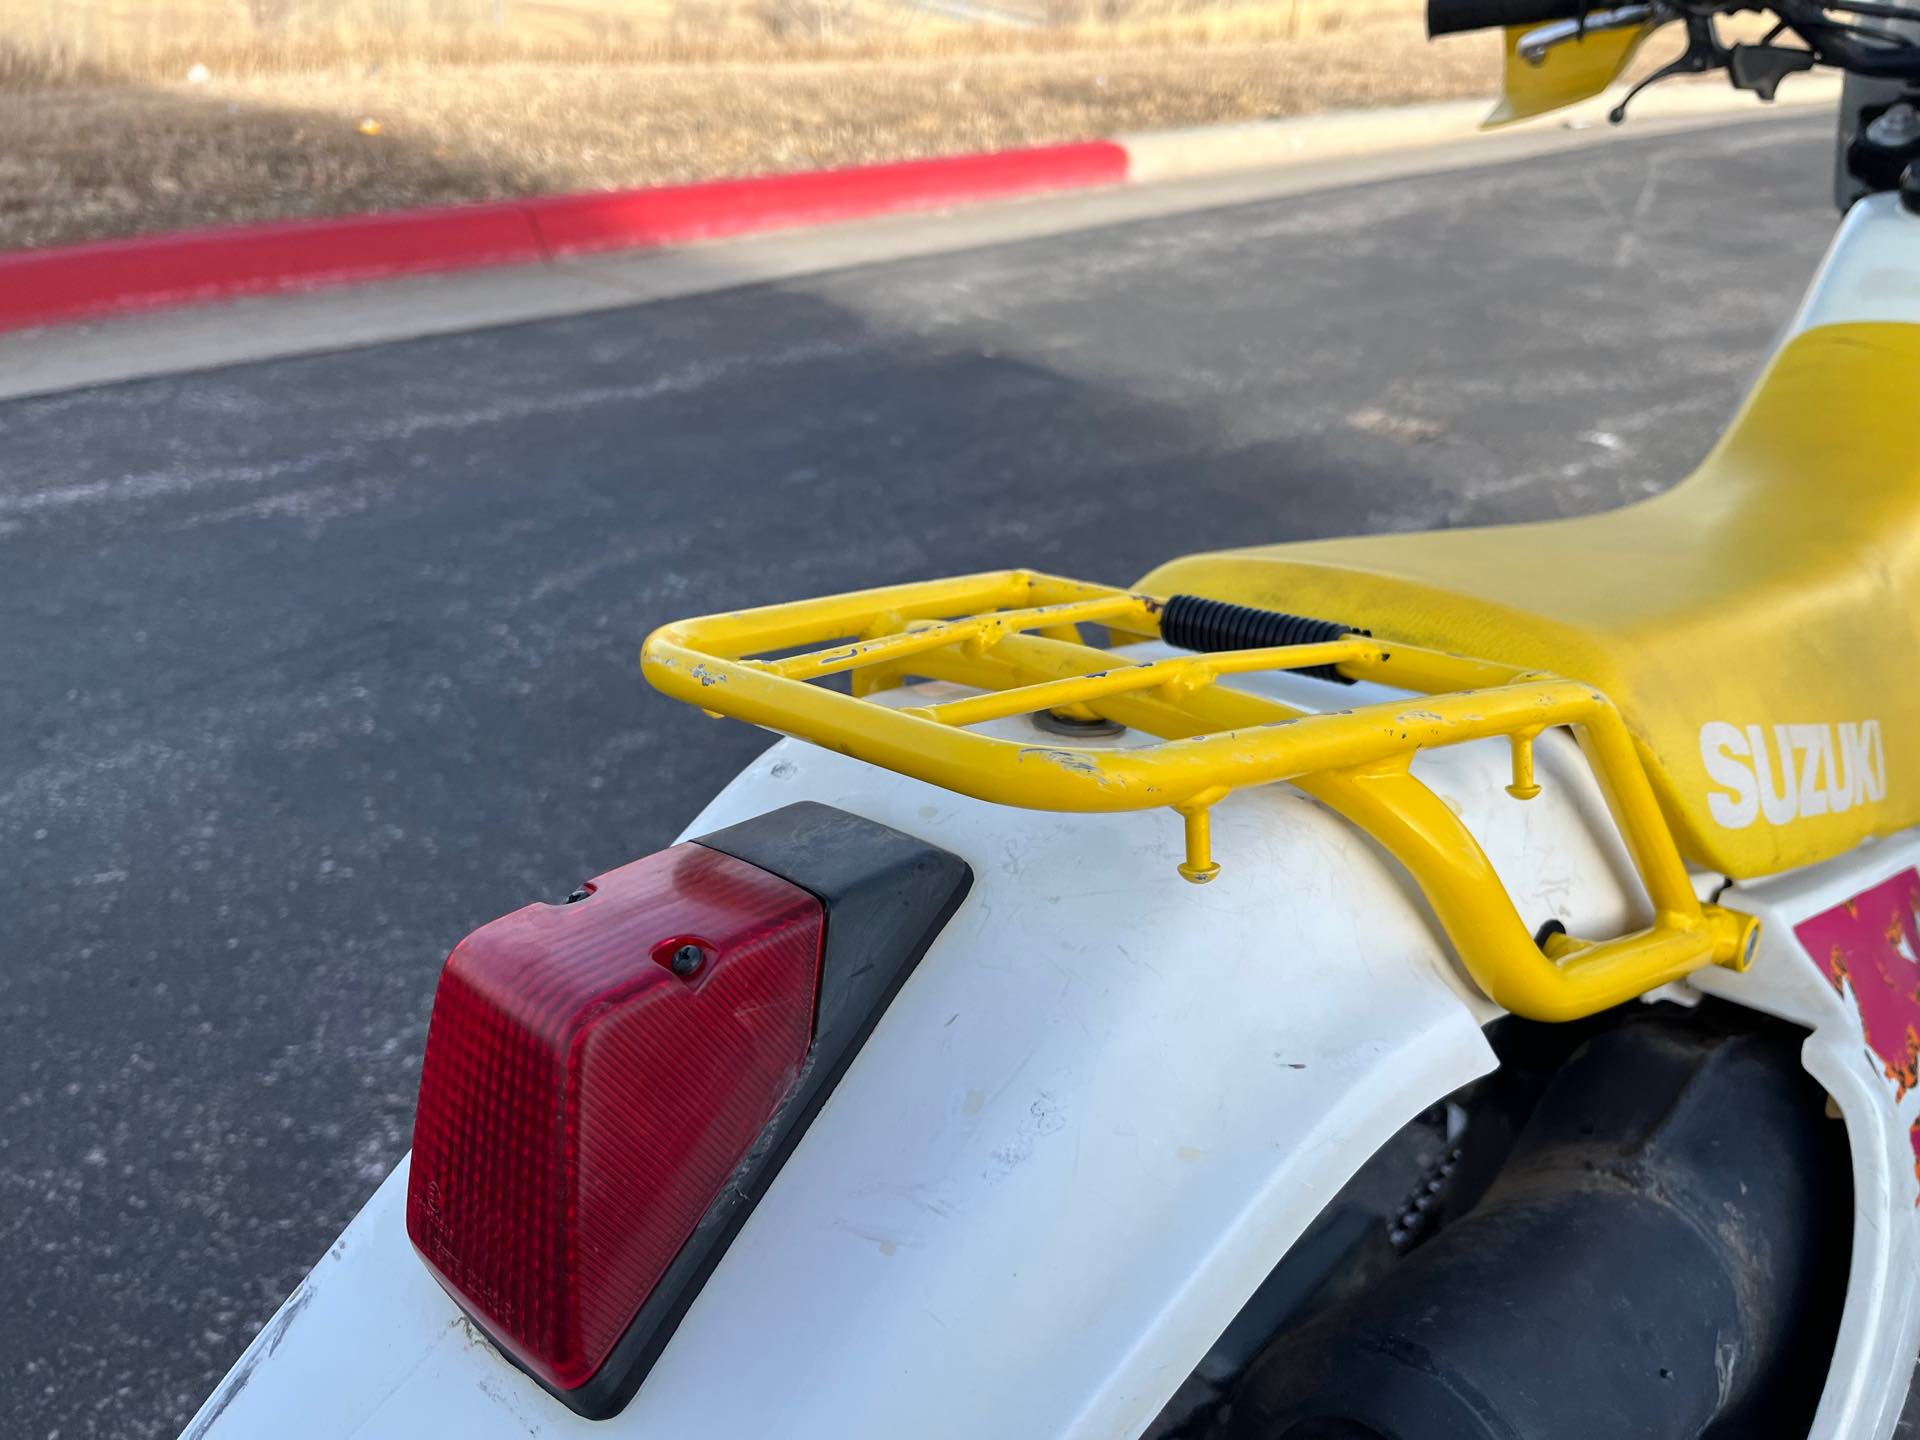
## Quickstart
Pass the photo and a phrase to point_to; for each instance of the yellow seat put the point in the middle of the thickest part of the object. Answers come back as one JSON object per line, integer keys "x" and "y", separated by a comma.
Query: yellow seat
{"x": 1758, "y": 625}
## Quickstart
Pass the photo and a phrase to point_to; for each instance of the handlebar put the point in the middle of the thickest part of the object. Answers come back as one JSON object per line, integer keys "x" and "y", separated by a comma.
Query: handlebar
{"x": 1452, "y": 17}
{"x": 1858, "y": 40}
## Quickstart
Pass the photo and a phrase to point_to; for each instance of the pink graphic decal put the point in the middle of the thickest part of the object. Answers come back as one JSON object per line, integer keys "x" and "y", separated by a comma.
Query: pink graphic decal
{"x": 1873, "y": 940}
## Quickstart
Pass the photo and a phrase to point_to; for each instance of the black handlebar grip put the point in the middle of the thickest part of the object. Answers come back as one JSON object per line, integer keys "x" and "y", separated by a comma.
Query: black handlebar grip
{"x": 1451, "y": 17}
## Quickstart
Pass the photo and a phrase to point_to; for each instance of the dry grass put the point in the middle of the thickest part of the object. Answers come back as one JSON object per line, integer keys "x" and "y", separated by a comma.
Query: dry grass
{"x": 90, "y": 150}
{"x": 52, "y": 42}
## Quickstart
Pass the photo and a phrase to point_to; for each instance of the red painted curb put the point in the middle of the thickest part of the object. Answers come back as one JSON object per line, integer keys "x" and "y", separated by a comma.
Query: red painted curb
{"x": 675, "y": 214}
{"x": 74, "y": 282}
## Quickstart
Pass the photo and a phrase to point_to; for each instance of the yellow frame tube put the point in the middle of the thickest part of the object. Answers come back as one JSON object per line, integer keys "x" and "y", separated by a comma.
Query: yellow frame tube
{"x": 1214, "y": 740}
{"x": 1453, "y": 872}
{"x": 934, "y": 634}
{"x": 1176, "y": 674}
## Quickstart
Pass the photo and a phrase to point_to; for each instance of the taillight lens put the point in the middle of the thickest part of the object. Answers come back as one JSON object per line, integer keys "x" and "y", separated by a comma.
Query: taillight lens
{"x": 594, "y": 1074}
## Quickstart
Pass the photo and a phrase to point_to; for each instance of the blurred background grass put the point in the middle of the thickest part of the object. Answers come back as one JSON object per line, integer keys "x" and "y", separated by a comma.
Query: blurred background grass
{"x": 64, "y": 41}
{"x": 124, "y": 116}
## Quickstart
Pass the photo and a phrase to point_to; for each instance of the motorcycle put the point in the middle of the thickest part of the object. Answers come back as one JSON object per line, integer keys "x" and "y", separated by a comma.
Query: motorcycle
{"x": 1513, "y": 1030}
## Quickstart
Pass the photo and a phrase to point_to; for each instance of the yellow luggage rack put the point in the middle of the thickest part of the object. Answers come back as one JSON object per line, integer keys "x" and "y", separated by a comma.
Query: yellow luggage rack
{"x": 1014, "y": 636}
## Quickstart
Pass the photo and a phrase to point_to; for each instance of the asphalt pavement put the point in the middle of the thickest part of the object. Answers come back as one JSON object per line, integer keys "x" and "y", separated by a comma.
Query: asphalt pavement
{"x": 312, "y": 666}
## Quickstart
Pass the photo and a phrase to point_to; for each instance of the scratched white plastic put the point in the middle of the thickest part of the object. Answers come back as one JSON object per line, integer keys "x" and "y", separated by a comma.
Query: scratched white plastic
{"x": 1871, "y": 271}
{"x": 1097, "y": 1113}
{"x": 1880, "y": 1327}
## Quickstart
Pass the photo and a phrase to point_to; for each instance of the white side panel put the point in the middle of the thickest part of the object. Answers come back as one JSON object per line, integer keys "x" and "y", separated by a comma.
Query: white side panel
{"x": 1099, "y": 1111}
{"x": 1880, "y": 1328}
{"x": 1871, "y": 271}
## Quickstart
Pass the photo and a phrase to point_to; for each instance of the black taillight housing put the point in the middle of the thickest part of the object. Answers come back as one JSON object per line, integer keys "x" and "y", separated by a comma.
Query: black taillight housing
{"x": 611, "y": 1084}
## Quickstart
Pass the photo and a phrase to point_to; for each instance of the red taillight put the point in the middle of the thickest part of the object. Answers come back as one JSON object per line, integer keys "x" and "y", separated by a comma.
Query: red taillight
{"x": 594, "y": 1074}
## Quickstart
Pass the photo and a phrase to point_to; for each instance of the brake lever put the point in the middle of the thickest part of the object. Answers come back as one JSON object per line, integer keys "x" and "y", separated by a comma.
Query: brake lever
{"x": 1761, "y": 68}
{"x": 1704, "y": 52}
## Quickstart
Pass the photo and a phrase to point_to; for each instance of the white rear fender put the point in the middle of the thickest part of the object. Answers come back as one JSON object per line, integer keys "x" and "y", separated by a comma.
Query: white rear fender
{"x": 1098, "y": 1112}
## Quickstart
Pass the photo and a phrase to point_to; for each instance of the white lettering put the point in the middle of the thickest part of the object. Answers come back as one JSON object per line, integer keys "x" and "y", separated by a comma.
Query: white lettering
{"x": 1721, "y": 746}
{"x": 1876, "y": 762}
{"x": 1776, "y": 805}
{"x": 1798, "y": 772}
{"x": 1843, "y": 775}
{"x": 1811, "y": 742}
{"x": 1857, "y": 762}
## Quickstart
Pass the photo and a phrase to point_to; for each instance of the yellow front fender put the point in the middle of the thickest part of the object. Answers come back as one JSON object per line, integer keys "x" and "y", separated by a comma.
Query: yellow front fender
{"x": 1569, "y": 73}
